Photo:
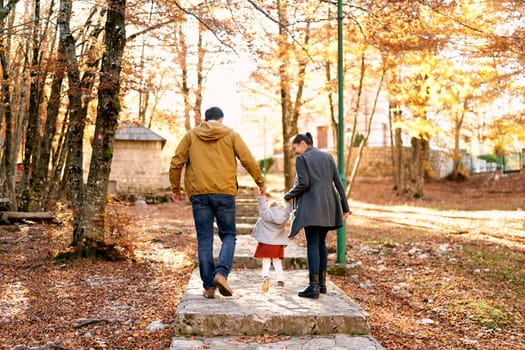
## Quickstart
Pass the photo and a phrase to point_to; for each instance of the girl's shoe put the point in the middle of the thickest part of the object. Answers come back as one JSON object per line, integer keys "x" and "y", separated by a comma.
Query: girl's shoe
{"x": 265, "y": 284}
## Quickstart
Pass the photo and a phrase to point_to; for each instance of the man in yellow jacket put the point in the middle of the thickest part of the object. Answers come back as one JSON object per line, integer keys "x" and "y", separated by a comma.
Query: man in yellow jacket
{"x": 210, "y": 152}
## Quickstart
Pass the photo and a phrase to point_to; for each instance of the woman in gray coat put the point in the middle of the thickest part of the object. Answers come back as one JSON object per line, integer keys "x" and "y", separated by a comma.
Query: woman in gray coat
{"x": 320, "y": 205}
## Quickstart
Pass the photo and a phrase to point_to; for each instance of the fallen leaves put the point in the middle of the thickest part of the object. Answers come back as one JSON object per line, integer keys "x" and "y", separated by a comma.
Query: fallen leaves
{"x": 89, "y": 303}
{"x": 428, "y": 288}
{"x": 423, "y": 287}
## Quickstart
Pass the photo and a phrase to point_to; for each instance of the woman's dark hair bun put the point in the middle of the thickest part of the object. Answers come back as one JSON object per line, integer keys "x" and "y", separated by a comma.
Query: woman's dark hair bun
{"x": 306, "y": 137}
{"x": 309, "y": 136}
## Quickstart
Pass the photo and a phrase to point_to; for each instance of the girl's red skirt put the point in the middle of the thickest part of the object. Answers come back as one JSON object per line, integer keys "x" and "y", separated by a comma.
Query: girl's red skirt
{"x": 269, "y": 251}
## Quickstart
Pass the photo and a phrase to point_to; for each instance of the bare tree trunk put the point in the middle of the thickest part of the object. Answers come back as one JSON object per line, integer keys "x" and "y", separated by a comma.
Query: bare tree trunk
{"x": 11, "y": 127}
{"x": 8, "y": 159}
{"x": 32, "y": 144}
{"x": 457, "y": 133}
{"x": 106, "y": 124}
{"x": 398, "y": 156}
{"x": 76, "y": 120}
{"x": 401, "y": 163}
{"x": 200, "y": 76}
{"x": 290, "y": 110}
{"x": 289, "y": 128}
{"x": 42, "y": 153}
{"x": 19, "y": 105}
{"x": 144, "y": 88}
{"x": 456, "y": 156}
{"x": 330, "y": 87}
{"x": 60, "y": 158}
{"x": 393, "y": 110}
{"x": 67, "y": 161}
{"x": 398, "y": 160}
{"x": 18, "y": 100}
{"x": 10, "y": 145}
{"x": 182, "y": 53}
{"x": 40, "y": 174}
{"x": 62, "y": 187}
{"x": 331, "y": 104}
{"x": 365, "y": 139}
{"x": 355, "y": 113}
{"x": 419, "y": 154}
{"x": 143, "y": 104}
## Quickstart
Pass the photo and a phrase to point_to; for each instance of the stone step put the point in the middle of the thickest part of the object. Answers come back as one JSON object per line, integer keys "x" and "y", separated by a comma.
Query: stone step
{"x": 246, "y": 200}
{"x": 246, "y": 211}
{"x": 334, "y": 341}
{"x": 249, "y": 201}
{"x": 242, "y": 228}
{"x": 248, "y": 191}
{"x": 294, "y": 255}
{"x": 250, "y": 219}
{"x": 280, "y": 311}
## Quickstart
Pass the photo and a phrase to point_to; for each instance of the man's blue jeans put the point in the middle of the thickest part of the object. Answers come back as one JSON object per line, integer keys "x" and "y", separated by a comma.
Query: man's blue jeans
{"x": 316, "y": 252}
{"x": 205, "y": 208}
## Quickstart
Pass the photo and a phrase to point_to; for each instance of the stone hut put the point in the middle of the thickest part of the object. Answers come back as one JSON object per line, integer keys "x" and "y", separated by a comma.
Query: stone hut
{"x": 136, "y": 167}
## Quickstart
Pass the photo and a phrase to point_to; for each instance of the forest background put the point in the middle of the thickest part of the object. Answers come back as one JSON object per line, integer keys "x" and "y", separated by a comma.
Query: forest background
{"x": 72, "y": 70}
{"x": 452, "y": 71}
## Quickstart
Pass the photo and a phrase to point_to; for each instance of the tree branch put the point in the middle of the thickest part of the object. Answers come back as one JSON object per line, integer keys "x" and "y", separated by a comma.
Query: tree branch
{"x": 7, "y": 9}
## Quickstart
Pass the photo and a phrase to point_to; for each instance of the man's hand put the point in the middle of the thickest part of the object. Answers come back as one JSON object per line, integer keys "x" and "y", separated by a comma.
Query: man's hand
{"x": 177, "y": 196}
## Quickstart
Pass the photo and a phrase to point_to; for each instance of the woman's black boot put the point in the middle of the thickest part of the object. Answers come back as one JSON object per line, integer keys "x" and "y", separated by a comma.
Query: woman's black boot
{"x": 312, "y": 291}
{"x": 322, "y": 282}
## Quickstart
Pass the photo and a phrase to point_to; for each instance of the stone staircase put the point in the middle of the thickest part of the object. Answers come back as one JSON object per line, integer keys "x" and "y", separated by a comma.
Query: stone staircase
{"x": 333, "y": 321}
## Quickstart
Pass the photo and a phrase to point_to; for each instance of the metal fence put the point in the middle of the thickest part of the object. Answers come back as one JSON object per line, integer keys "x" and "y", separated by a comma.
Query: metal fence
{"x": 512, "y": 162}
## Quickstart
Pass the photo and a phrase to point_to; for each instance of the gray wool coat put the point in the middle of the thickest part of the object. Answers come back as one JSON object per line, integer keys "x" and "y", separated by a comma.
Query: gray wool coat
{"x": 318, "y": 193}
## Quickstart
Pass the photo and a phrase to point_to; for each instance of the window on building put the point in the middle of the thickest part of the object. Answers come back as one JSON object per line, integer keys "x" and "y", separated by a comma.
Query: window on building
{"x": 322, "y": 136}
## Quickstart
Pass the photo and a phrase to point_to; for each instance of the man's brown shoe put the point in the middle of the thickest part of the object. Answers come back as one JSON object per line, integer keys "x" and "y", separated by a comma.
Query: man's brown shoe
{"x": 209, "y": 293}
{"x": 220, "y": 282}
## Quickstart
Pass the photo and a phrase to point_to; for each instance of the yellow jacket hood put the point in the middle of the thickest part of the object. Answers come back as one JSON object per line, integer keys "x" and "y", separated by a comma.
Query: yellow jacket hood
{"x": 209, "y": 155}
{"x": 211, "y": 131}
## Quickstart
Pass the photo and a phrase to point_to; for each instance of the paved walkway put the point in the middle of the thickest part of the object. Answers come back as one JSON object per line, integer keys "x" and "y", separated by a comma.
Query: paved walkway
{"x": 279, "y": 311}
{"x": 277, "y": 319}
{"x": 250, "y": 317}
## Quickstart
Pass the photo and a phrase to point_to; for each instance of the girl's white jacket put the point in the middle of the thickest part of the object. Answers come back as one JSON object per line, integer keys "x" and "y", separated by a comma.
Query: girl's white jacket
{"x": 270, "y": 227}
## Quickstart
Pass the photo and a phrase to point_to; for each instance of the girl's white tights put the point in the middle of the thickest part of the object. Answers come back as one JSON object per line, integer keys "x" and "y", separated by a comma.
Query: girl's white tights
{"x": 277, "y": 265}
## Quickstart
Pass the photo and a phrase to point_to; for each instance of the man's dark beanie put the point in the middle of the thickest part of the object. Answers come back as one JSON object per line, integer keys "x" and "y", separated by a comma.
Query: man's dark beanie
{"x": 213, "y": 113}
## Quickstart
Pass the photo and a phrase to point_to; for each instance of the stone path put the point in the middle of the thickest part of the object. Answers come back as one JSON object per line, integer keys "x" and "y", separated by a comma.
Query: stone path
{"x": 278, "y": 319}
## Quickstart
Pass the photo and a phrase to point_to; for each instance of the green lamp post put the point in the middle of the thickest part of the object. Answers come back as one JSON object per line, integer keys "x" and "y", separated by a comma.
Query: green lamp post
{"x": 341, "y": 232}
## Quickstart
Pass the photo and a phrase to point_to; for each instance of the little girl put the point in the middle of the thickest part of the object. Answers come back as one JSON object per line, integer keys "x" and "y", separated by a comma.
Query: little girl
{"x": 270, "y": 233}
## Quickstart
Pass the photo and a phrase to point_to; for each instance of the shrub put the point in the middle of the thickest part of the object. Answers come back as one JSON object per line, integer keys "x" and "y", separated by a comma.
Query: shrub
{"x": 492, "y": 158}
{"x": 265, "y": 164}
{"x": 358, "y": 138}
